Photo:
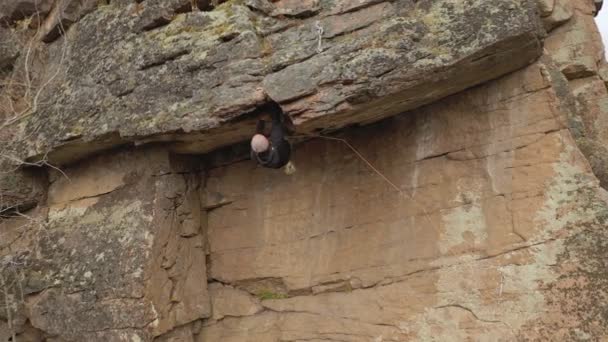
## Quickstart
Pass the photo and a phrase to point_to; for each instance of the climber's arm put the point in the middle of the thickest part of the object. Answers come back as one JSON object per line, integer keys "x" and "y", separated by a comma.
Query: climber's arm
{"x": 277, "y": 133}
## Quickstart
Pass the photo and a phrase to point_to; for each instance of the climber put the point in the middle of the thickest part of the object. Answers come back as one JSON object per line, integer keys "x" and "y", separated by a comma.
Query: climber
{"x": 274, "y": 151}
{"x": 598, "y": 6}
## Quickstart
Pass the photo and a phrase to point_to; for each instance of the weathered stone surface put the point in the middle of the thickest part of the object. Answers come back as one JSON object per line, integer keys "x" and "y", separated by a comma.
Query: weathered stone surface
{"x": 555, "y": 12}
{"x": 64, "y": 14}
{"x": 590, "y": 90}
{"x": 490, "y": 241}
{"x": 496, "y": 231}
{"x": 156, "y": 13}
{"x": 12, "y": 10}
{"x": 584, "y": 6}
{"x": 181, "y": 334}
{"x": 339, "y": 201}
{"x": 271, "y": 326}
{"x": 603, "y": 73}
{"x": 296, "y": 8}
{"x": 577, "y": 46}
{"x": 592, "y": 98}
{"x": 178, "y": 276}
{"x": 8, "y": 49}
{"x": 204, "y": 71}
{"x": 20, "y": 189}
{"x": 121, "y": 247}
{"x": 228, "y": 301}
{"x": 545, "y": 7}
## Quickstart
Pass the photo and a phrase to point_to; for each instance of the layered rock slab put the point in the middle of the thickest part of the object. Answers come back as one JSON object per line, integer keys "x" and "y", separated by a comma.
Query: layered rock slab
{"x": 152, "y": 73}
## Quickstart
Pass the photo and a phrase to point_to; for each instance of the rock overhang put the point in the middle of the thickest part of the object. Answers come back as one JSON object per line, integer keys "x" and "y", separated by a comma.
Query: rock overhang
{"x": 194, "y": 81}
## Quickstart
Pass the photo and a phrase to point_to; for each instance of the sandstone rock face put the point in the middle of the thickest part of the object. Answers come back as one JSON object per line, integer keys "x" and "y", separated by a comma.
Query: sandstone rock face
{"x": 122, "y": 257}
{"x": 476, "y": 240}
{"x": 577, "y": 49}
{"x": 576, "y": 46}
{"x": 484, "y": 218}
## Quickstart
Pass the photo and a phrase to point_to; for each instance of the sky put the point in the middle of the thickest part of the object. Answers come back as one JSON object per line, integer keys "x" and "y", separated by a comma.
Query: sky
{"x": 602, "y": 23}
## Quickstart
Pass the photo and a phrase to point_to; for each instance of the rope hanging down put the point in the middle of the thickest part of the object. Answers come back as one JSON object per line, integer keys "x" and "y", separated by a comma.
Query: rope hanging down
{"x": 410, "y": 196}
{"x": 370, "y": 165}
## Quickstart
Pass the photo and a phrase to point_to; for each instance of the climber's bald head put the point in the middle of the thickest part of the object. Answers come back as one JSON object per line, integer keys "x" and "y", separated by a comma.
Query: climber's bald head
{"x": 259, "y": 143}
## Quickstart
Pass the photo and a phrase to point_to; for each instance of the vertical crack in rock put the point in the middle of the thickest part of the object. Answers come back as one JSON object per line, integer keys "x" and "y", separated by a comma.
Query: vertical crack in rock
{"x": 177, "y": 284}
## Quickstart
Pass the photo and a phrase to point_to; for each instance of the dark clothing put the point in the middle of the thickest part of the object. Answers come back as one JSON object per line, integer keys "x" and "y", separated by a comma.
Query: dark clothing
{"x": 279, "y": 152}
{"x": 598, "y": 6}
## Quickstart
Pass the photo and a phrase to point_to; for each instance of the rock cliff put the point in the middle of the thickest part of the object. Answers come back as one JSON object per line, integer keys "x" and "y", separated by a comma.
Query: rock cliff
{"x": 129, "y": 210}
